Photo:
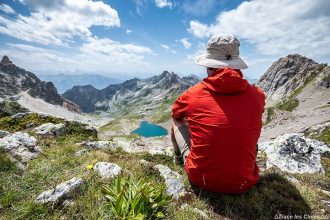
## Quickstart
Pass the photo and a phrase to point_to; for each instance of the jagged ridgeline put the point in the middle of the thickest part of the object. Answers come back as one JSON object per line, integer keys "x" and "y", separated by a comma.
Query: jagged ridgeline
{"x": 14, "y": 80}
{"x": 140, "y": 97}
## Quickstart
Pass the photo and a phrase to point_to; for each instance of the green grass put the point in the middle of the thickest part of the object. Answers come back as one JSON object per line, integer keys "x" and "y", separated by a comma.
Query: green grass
{"x": 163, "y": 112}
{"x": 289, "y": 105}
{"x": 12, "y": 125}
{"x": 18, "y": 190}
{"x": 323, "y": 136}
{"x": 291, "y": 102}
{"x": 270, "y": 115}
{"x": 113, "y": 125}
{"x": 8, "y": 108}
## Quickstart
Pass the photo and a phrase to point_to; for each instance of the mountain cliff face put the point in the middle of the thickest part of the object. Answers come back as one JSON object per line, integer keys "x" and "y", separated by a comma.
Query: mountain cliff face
{"x": 14, "y": 80}
{"x": 298, "y": 91}
{"x": 289, "y": 73}
{"x": 138, "y": 95}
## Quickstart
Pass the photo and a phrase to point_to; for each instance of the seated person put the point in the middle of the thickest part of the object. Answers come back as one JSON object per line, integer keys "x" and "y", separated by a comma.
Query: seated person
{"x": 217, "y": 123}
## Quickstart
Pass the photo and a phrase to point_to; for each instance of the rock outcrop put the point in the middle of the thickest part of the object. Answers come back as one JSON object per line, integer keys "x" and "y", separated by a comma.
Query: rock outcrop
{"x": 289, "y": 73}
{"x": 295, "y": 154}
{"x": 173, "y": 181}
{"x": 4, "y": 134}
{"x": 50, "y": 129}
{"x": 98, "y": 144}
{"x": 21, "y": 146}
{"x": 61, "y": 192}
{"x": 107, "y": 170}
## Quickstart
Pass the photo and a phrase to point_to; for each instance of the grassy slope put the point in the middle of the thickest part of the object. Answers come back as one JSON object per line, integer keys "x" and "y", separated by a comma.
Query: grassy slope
{"x": 272, "y": 195}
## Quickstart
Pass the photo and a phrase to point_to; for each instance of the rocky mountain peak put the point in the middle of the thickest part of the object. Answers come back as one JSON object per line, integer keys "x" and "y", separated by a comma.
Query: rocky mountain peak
{"x": 286, "y": 74}
{"x": 5, "y": 60}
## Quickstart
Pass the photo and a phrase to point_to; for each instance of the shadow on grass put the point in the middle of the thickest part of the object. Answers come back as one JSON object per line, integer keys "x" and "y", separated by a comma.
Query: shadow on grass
{"x": 271, "y": 197}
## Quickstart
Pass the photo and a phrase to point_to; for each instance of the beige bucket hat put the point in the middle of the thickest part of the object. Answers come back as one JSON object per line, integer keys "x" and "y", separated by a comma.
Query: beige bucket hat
{"x": 222, "y": 52}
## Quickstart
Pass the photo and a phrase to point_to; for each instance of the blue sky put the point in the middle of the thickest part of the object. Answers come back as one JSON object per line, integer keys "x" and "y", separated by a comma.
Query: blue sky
{"x": 141, "y": 38}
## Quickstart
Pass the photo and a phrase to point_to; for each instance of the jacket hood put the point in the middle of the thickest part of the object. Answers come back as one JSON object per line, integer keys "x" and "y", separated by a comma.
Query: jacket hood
{"x": 226, "y": 81}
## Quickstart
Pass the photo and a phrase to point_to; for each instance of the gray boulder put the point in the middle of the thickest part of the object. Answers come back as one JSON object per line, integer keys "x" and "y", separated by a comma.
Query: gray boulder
{"x": 3, "y": 133}
{"x": 81, "y": 152}
{"x": 50, "y": 129}
{"x": 21, "y": 146}
{"x": 107, "y": 170}
{"x": 19, "y": 116}
{"x": 98, "y": 144}
{"x": 61, "y": 192}
{"x": 295, "y": 154}
{"x": 173, "y": 181}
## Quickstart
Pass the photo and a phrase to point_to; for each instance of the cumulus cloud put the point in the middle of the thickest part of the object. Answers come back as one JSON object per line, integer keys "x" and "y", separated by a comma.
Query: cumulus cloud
{"x": 58, "y": 22}
{"x": 186, "y": 44}
{"x": 113, "y": 51}
{"x": 128, "y": 31}
{"x": 276, "y": 27}
{"x": 7, "y": 9}
{"x": 38, "y": 59}
{"x": 198, "y": 29}
{"x": 163, "y": 3}
{"x": 103, "y": 55}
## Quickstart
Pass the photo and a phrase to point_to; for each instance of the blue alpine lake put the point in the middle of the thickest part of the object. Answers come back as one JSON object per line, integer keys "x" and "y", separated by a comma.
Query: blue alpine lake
{"x": 147, "y": 129}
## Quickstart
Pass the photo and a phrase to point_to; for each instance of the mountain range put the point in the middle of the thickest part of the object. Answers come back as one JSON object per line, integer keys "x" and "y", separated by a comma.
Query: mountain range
{"x": 134, "y": 96}
{"x": 64, "y": 82}
{"x": 15, "y": 80}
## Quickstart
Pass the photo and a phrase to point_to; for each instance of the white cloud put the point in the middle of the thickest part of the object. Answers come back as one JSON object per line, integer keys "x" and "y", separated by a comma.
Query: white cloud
{"x": 109, "y": 47}
{"x": 7, "y": 9}
{"x": 58, "y": 22}
{"x": 96, "y": 55}
{"x": 128, "y": 31}
{"x": 140, "y": 5}
{"x": 38, "y": 59}
{"x": 167, "y": 48}
{"x": 163, "y": 3}
{"x": 276, "y": 27}
{"x": 199, "y": 7}
{"x": 186, "y": 44}
{"x": 198, "y": 29}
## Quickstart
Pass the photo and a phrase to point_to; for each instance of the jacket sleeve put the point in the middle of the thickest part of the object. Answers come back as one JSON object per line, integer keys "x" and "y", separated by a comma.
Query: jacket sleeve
{"x": 180, "y": 107}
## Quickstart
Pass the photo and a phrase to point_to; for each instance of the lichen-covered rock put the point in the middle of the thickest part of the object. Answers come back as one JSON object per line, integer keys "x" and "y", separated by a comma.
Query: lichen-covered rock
{"x": 295, "y": 154}
{"x": 61, "y": 192}
{"x": 151, "y": 145}
{"x": 21, "y": 146}
{"x": 81, "y": 152}
{"x": 21, "y": 115}
{"x": 50, "y": 129}
{"x": 98, "y": 144}
{"x": 3, "y": 133}
{"x": 173, "y": 181}
{"x": 107, "y": 170}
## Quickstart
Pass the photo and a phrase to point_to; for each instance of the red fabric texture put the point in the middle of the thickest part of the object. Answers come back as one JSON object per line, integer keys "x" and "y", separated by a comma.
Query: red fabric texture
{"x": 224, "y": 115}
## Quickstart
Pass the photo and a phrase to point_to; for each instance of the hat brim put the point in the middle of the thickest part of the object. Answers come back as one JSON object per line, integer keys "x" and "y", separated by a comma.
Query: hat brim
{"x": 236, "y": 63}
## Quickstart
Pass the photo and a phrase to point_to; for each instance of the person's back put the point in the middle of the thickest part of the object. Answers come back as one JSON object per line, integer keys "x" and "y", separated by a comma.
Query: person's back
{"x": 224, "y": 116}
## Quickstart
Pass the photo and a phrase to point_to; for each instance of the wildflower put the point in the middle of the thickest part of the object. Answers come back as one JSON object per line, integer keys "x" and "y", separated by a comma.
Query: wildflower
{"x": 89, "y": 166}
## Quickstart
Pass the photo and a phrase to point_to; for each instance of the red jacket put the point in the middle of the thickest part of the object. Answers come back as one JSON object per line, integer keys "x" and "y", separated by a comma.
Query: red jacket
{"x": 224, "y": 115}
